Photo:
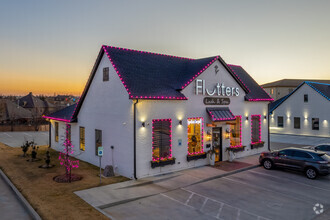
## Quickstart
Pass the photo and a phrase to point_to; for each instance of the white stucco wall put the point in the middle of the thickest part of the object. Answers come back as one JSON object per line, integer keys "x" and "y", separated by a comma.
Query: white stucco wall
{"x": 107, "y": 108}
{"x": 294, "y": 106}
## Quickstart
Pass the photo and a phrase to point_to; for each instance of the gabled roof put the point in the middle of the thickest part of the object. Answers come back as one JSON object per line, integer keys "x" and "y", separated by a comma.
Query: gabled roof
{"x": 322, "y": 88}
{"x": 11, "y": 111}
{"x": 147, "y": 75}
{"x": 291, "y": 82}
{"x": 255, "y": 92}
{"x": 30, "y": 101}
{"x": 64, "y": 114}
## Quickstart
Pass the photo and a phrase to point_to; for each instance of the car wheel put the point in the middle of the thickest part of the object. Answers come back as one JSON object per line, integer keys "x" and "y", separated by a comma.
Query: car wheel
{"x": 311, "y": 173}
{"x": 268, "y": 164}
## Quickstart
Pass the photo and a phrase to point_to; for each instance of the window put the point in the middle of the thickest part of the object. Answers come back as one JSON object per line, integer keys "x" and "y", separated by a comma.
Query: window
{"x": 98, "y": 140}
{"x": 82, "y": 138}
{"x": 315, "y": 123}
{"x": 68, "y": 132}
{"x": 105, "y": 74}
{"x": 56, "y": 131}
{"x": 271, "y": 91}
{"x": 195, "y": 135}
{"x": 296, "y": 123}
{"x": 161, "y": 139}
{"x": 285, "y": 153}
{"x": 301, "y": 154}
{"x": 306, "y": 98}
{"x": 236, "y": 132}
{"x": 280, "y": 121}
{"x": 255, "y": 129}
{"x": 323, "y": 147}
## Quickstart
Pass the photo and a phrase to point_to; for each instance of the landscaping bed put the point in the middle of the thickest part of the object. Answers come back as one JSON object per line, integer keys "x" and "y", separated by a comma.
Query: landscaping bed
{"x": 50, "y": 199}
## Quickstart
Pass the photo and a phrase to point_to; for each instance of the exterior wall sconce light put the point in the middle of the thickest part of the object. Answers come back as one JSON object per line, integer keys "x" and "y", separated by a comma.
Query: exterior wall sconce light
{"x": 247, "y": 118}
{"x": 227, "y": 134}
{"x": 143, "y": 124}
{"x": 180, "y": 122}
{"x": 265, "y": 116}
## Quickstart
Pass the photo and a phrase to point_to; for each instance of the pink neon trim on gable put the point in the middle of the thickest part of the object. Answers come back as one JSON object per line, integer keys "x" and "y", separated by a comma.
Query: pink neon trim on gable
{"x": 57, "y": 119}
{"x": 200, "y": 72}
{"x": 260, "y": 100}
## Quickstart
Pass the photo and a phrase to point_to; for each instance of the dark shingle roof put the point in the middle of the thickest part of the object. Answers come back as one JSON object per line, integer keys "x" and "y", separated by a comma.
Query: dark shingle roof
{"x": 64, "y": 114}
{"x": 149, "y": 75}
{"x": 291, "y": 82}
{"x": 255, "y": 92}
{"x": 322, "y": 88}
{"x": 11, "y": 111}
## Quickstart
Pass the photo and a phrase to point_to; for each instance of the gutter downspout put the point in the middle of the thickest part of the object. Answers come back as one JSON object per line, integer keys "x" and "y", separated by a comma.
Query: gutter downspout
{"x": 134, "y": 130}
{"x": 268, "y": 114}
{"x": 50, "y": 134}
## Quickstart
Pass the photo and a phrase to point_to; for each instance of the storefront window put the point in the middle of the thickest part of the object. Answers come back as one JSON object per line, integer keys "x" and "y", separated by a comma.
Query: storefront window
{"x": 56, "y": 131}
{"x": 255, "y": 129}
{"x": 236, "y": 132}
{"x": 195, "y": 136}
{"x": 82, "y": 138}
{"x": 161, "y": 139}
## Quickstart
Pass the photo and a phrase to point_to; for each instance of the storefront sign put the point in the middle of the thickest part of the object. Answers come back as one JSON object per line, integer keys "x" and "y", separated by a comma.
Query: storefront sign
{"x": 218, "y": 89}
{"x": 216, "y": 101}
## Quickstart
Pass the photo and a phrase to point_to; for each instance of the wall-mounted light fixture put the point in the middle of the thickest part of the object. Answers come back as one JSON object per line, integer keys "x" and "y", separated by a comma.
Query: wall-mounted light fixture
{"x": 227, "y": 134}
{"x": 247, "y": 118}
{"x": 180, "y": 122}
{"x": 143, "y": 124}
{"x": 265, "y": 116}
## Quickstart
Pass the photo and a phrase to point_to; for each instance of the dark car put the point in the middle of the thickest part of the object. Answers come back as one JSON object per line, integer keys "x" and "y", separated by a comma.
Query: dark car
{"x": 311, "y": 162}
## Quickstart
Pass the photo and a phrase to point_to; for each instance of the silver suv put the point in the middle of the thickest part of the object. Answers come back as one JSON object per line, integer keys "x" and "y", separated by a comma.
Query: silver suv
{"x": 311, "y": 162}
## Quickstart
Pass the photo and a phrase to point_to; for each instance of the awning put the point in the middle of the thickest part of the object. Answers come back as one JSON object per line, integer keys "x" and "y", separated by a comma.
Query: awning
{"x": 220, "y": 114}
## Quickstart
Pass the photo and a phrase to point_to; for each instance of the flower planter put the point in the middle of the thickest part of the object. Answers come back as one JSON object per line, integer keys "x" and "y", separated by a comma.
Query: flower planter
{"x": 162, "y": 163}
{"x": 235, "y": 149}
{"x": 196, "y": 156}
{"x": 257, "y": 145}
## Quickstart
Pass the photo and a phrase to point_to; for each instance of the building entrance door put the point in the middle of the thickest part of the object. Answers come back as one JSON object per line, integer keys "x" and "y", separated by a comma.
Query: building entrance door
{"x": 217, "y": 143}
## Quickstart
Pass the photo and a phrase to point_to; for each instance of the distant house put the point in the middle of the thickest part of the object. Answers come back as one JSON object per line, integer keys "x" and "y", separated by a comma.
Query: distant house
{"x": 62, "y": 101}
{"x": 305, "y": 111}
{"x": 35, "y": 105}
{"x": 283, "y": 87}
{"x": 11, "y": 113}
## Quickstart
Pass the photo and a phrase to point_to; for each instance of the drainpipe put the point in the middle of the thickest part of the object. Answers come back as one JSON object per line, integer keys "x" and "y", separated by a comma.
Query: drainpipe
{"x": 50, "y": 134}
{"x": 134, "y": 130}
{"x": 268, "y": 125}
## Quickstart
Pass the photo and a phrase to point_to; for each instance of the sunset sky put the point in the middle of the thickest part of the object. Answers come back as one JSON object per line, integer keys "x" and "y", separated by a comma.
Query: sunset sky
{"x": 50, "y": 47}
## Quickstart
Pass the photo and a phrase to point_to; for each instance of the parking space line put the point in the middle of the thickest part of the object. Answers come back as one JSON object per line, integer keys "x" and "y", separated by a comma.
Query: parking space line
{"x": 8, "y": 135}
{"x": 191, "y": 195}
{"x": 238, "y": 214}
{"x": 269, "y": 190}
{"x": 27, "y": 134}
{"x": 203, "y": 204}
{"x": 304, "y": 184}
{"x": 219, "y": 211}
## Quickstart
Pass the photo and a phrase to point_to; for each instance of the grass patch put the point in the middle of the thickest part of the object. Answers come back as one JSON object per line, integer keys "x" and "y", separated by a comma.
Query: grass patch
{"x": 50, "y": 199}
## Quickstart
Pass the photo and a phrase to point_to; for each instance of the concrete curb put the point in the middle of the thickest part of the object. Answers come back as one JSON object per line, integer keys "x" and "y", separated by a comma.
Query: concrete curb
{"x": 20, "y": 197}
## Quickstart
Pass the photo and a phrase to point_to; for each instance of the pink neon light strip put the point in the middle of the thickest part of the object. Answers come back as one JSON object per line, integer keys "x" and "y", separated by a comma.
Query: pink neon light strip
{"x": 200, "y": 72}
{"x": 162, "y": 158}
{"x": 202, "y": 135}
{"x": 256, "y": 100}
{"x": 221, "y": 119}
{"x": 57, "y": 119}
{"x": 229, "y": 65}
{"x": 259, "y": 117}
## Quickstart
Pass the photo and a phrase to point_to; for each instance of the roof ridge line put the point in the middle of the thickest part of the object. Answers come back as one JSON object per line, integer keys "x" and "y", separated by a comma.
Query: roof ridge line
{"x": 148, "y": 52}
{"x": 327, "y": 84}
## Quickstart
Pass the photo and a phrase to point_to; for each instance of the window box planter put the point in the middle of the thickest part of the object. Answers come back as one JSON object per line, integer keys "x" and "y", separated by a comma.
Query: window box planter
{"x": 257, "y": 145}
{"x": 196, "y": 156}
{"x": 235, "y": 149}
{"x": 162, "y": 163}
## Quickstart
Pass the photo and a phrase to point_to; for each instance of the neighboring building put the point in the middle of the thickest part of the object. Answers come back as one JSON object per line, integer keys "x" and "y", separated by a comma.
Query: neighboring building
{"x": 62, "y": 101}
{"x": 283, "y": 87}
{"x": 305, "y": 111}
{"x": 156, "y": 113}
{"x": 11, "y": 113}
{"x": 36, "y": 106}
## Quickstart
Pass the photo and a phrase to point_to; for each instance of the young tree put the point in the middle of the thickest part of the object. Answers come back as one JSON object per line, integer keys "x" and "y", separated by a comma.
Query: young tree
{"x": 65, "y": 158}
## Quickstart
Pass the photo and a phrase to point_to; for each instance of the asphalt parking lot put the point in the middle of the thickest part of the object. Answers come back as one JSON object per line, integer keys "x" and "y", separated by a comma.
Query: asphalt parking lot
{"x": 17, "y": 138}
{"x": 253, "y": 194}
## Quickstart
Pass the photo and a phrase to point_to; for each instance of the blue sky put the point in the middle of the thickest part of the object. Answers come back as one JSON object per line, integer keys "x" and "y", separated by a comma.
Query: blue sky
{"x": 51, "y": 46}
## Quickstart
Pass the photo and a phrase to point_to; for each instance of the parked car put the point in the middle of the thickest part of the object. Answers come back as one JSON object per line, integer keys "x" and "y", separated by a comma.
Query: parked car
{"x": 311, "y": 162}
{"x": 320, "y": 147}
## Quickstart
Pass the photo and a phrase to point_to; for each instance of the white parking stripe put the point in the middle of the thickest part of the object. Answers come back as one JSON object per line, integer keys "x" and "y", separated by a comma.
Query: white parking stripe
{"x": 8, "y": 135}
{"x": 304, "y": 184}
{"x": 219, "y": 211}
{"x": 27, "y": 134}
{"x": 269, "y": 190}
{"x": 204, "y": 204}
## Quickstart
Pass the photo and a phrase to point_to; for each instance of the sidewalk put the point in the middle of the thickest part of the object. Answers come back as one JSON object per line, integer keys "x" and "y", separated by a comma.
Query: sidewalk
{"x": 111, "y": 195}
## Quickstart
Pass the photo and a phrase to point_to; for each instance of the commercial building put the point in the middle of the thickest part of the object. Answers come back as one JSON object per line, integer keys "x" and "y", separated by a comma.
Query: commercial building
{"x": 305, "y": 111}
{"x": 155, "y": 113}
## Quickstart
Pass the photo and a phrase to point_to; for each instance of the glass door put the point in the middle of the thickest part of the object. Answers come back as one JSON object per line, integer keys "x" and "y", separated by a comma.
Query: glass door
{"x": 217, "y": 143}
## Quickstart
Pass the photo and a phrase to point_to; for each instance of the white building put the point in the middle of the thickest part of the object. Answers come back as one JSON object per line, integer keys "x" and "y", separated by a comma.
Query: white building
{"x": 305, "y": 111}
{"x": 156, "y": 113}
